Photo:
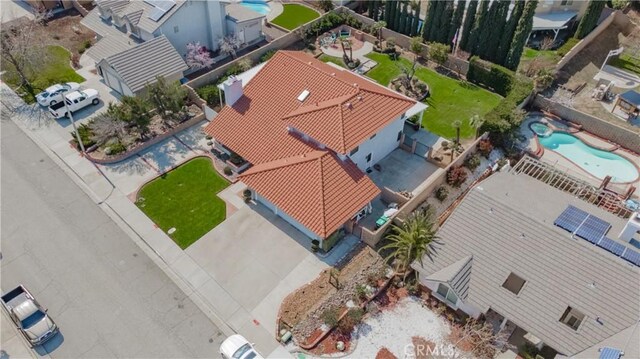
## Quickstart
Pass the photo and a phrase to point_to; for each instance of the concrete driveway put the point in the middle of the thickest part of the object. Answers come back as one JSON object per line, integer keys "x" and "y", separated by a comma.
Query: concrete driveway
{"x": 11, "y": 10}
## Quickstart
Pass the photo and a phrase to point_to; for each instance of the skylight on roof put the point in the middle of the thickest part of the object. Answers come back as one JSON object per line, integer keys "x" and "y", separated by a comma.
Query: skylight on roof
{"x": 161, "y": 7}
{"x": 303, "y": 96}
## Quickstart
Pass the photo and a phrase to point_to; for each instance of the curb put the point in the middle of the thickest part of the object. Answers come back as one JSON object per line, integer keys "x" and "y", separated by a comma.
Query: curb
{"x": 178, "y": 280}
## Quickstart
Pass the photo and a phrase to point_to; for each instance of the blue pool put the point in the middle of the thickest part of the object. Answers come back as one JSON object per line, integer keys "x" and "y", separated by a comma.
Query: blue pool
{"x": 597, "y": 162}
{"x": 258, "y": 6}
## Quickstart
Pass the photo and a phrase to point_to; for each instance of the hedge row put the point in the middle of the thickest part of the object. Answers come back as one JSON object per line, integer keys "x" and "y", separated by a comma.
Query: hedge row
{"x": 499, "y": 79}
{"x": 502, "y": 119}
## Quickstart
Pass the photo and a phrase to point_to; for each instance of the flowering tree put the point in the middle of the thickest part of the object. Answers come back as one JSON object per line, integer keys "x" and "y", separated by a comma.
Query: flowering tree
{"x": 229, "y": 45}
{"x": 197, "y": 56}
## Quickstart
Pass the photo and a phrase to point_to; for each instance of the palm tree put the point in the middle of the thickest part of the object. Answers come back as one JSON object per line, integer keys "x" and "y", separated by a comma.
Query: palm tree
{"x": 377, "y": 27}
{"x": 476, "y": 122}
{"x": 411, "y": 241}
{"x": 457, "y": 124}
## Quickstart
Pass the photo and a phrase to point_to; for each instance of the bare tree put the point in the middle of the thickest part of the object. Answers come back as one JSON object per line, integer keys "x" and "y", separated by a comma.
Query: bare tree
{"x": 105, "y": 128}
{"x": 229, "y": 45}
{"x": 197, "y": 56}
{"x": 479, "y": 338}
{"x": 21, "y": 50}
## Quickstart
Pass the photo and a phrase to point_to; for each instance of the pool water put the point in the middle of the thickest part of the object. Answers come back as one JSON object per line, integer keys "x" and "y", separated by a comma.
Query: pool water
{"x": 597, "y": 162}
{"x": 257, "y": 6}
{"x": 540, "y": 129}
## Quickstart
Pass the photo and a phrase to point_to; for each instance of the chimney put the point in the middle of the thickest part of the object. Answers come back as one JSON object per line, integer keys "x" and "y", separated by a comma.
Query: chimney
{"x": 631, "y": 228}
{"x": 232, "y": 90}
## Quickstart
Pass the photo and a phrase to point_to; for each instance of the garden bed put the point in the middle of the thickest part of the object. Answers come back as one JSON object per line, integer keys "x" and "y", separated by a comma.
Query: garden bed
{"x": 414, "y": 88}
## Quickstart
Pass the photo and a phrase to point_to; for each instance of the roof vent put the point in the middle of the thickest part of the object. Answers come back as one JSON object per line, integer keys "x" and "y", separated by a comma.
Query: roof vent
{"x": 333, "y": 74}
{"x": 592, "y": 285}
{"x": 359, "y": 98}
{"x": 348, "y": 105}
{"x": 303, "y": 95}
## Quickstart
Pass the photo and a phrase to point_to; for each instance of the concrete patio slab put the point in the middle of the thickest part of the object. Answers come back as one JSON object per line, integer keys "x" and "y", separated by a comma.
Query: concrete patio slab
{"x": 402, "y": 171}
{"x": 166, "y": 155}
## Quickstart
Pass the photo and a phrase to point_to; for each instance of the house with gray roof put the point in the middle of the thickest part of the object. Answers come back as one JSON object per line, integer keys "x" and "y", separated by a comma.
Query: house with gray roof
{"x": 504, "y": 254}
{"x": 131, "y": 70}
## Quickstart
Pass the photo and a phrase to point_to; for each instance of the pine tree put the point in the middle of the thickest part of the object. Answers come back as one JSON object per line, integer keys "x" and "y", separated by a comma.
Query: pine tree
{"x": 525, "y": 24}
{"x": 478, "y": 27}
{"x": 416, "y": 20}
{"x": 497, "y": 28}
{"x": 507, "y": 34}
{"x": 428, "y": 22}
{"x": 590, "y": 18}
{"x": 445, "y": 22}
{"x": 468, "y": 24}
{"x": 456, "y": 21}
{"x": 403, "y": 19}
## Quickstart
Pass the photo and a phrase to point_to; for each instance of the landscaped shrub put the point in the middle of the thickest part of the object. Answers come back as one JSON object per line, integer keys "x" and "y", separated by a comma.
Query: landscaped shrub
{"x": 267, "y": 55}
{"x": 115, "y": 149}
{"x": 86, "y": 136}
{"x": 456, "y": 176}
{"x": 353, "y": 318}
{"x": 504, "y": 119}
{"x": 361, "y": 292}
{"x": 330, "y": 317}
{"x": 567, "y": 46}
{"x": 331, "y": 241}
{"x": 227, "y": 171}
{"x": 501, "y": 162}
{"x": 442, "y": 193}
{"x": 209, "y": 93}
{"x": 485, "y": 147}
{"x": 472, "y": 162}
{"x": 493, "y": 76}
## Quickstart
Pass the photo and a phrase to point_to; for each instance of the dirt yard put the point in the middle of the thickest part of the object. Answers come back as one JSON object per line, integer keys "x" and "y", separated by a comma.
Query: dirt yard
{"x": 68, "y": 33}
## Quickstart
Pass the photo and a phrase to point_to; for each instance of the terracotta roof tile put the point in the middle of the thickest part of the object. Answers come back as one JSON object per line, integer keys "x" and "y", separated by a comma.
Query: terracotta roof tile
{"x": 317, "y": 189}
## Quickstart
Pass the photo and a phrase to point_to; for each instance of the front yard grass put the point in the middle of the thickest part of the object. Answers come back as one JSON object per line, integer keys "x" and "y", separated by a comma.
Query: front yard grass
{"x": 295, "y": 15}
{"x": 450, "y": 99}
{"x": 57, "y": 69}
{"x": 626, "y": 62}
{"x": 185, "y": 199}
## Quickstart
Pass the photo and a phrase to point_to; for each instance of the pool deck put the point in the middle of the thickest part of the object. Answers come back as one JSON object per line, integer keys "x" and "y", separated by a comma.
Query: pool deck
{"x": 588, "y": 138}
{"x": 276, "y": 10}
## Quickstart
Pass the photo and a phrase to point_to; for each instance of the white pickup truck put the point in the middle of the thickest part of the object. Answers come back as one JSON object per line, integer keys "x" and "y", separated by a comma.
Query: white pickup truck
{"x": 76, "y": 100}
{"x": 29, "y": 316}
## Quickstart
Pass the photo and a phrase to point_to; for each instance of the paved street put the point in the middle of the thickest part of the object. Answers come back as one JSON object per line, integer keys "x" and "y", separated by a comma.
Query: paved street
{"x": 108, "y": 297}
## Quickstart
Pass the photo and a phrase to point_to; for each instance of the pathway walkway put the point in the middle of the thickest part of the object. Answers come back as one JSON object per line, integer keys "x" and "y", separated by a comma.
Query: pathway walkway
{"x": 366, "y": 48}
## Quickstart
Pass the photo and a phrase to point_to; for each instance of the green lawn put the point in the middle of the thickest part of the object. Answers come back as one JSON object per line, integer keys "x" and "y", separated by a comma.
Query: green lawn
{"x": 57, "y": 69}
{"x": 336, "y": 60}
{"x": 295, "y": 15}
{"x": 185, "y": 198}
{"x": 626, "y": 62}
{"x": 450, "y": 99}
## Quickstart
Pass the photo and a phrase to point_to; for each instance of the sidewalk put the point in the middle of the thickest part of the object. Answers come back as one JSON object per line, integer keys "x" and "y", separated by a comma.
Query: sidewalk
{"x": 13, "y": 344}
{"x": 196, "y": 282}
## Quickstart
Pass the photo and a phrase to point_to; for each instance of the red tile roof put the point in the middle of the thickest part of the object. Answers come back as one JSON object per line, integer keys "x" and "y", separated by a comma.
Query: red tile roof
{"x": 341, "y": 111}
{"x": 317, "y": 189}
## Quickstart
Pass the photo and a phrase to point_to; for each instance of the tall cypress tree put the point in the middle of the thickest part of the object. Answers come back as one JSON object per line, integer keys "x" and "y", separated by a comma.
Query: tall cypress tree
{"x": 507, "y": 33}
{"x": 445, "y": 22}
{"x": 428, "y": 22}
{"x": 397, "y": 12}
{"x": 387, "y": 11}
{"x": 478, "y": 27}
{"x": 435, "y": 28}
{"x": 392, "y": 14}
{"x": 590, "y": 18}
{"x": 370, "y": 8}
{"x": 416, "y": 20}
{"x": 497, "y": 28}
{"x": 456, "y": 21}
{"x": 403, "y": 19}
{"x": 409, "y": 22}
{"x": 468, "y": 24}
{"x": 486, "y": 29}
{"x": 525, "y": 24}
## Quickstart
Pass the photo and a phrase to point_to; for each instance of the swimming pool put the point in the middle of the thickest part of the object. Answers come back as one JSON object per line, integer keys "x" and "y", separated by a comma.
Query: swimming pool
{"x": 597, "y": 162}
{"x": 256, "y": 5}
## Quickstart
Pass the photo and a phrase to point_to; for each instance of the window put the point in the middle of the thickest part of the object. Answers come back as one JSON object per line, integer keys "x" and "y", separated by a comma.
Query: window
{"x": 354, "y": 151}
{"x": 176, "y": 29}
{"x": 447, "y": 294}
{"x": 368, "y": 158}
{"x": 399, "y": 136}
{"x": 572, "y": 318}
{"x": 513, "y": 283}
{"x": 371, "y": 138}
{"x": 566, "y": 2}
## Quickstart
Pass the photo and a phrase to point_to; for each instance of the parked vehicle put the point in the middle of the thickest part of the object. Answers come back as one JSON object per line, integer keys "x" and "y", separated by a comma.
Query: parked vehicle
{"x": 76, "y": 100}
{"x": 53, "y": 94}
{"x": 29, "y": 316}
{"x": 237, "y": 347}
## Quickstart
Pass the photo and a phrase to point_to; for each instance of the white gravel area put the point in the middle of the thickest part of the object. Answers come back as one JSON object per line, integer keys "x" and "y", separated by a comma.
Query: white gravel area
{"x": 393, "y": 329}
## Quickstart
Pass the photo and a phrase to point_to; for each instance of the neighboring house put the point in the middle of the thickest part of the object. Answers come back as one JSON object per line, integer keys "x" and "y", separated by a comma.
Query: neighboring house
{"x": 503, "y": 253}
{"x": 311, "y": 131}
{"x": 129, "y": 71}
{"x": 123, "y": 24}
{"x": 554, "y": 18}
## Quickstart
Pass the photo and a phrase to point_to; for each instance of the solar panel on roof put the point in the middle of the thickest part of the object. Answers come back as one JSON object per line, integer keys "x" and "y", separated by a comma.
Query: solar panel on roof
{"x": 610, "y": 353}
{"x": 571, "y": 218}
{"x": 593, "y": 229}
{"x": 155, "y": 14}
{"x": 611, "y": 246}
{"x": 631, "y": 256}
{"x": 161, "y": 7}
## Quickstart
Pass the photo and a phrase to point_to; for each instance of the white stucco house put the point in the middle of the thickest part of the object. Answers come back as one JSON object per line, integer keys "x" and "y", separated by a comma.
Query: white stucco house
{"x": 121, "y": 25}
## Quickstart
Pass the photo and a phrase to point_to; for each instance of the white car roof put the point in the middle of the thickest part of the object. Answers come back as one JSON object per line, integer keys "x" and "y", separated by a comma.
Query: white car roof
{"x": 25, "y": 309}
{"x": 233, "y": 343}
{"x": 54, "y": 88}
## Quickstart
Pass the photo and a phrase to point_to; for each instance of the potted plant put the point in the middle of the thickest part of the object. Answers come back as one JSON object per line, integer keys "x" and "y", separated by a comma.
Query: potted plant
{"x": 315, "y": 245}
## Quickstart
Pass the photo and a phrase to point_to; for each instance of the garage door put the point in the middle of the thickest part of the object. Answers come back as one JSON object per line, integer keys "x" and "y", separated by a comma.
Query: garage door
{"x": 113, "y": 82}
